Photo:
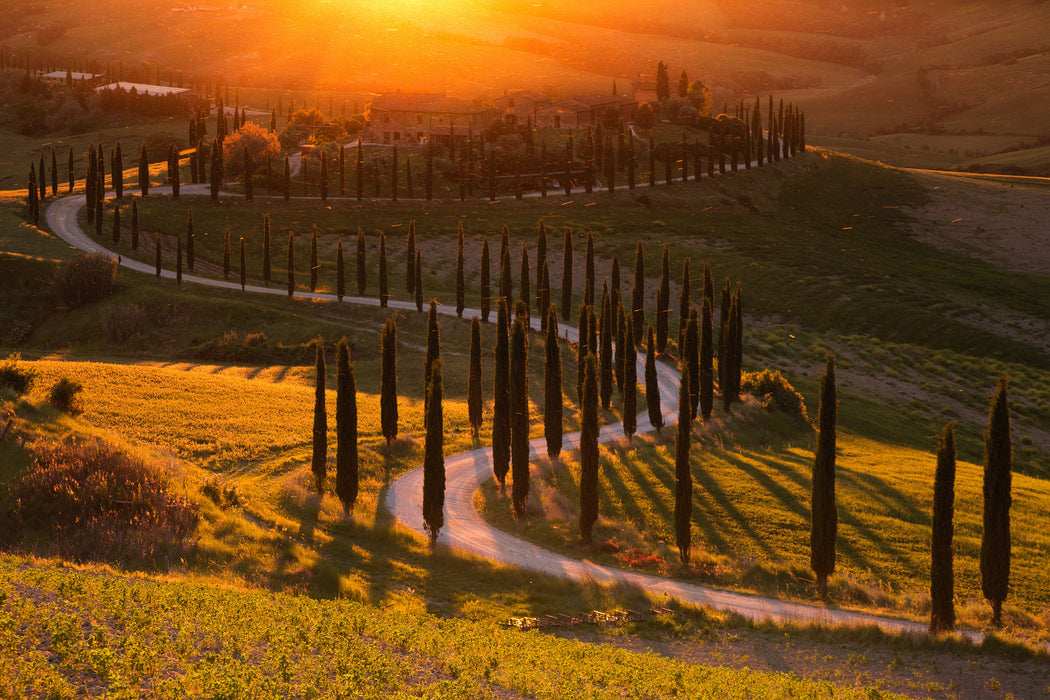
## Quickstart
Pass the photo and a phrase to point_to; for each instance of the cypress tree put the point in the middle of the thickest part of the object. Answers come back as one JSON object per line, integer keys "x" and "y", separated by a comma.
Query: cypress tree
{"x": 287, "y": 185}
{"x": 346, "y": 472}
{"x": 683, "y": 477}
{"x": 32, "y": 194}
{"x": 486, "y": 288}
{"x": 652, "y": 385}
{"x": 663, "y": 302}
{"x": 620, "y": 324}
{"x": 433, "y": 349}
{"x": 314, "y": 265}
{"x": 691, "y": 360}
{"x": 526, "y": 293}
{"x": 707, "y": 382}
{"x": 723, "y": 331}
{"x": 226, "y": 255}
{"x": 361, "y": 270}
{"x": 144, "y": 172}
{"x": 541, "y": 259}
{"x": 244, "y": 267}
{"x": 683, "y": 304}
{"x": 731, "y": 372}
{"x": 116, "y": 225}
{"x": 266, "y": 249}
{"x": 638, "y": 294}
{"x": 544, "y": 297}
{"x": 588, "y": 280}
{"x": 419, "y": 280}
{"x": 506, "y": 282}
{"x": 501, "y": 397}
{"x": 605, "y": 358}
{"x": 519, "y": 401}
{"x": 617, "y": 295}
{"x": 552, "y": 397}
{"x": 824, "y": 514}
{"x": 410, "y": 258}
{"x": 475, "y": 397}
{"x": 291, "y": 265}
{"x": 319, "y": 462}
{"x": 384, "y": 292}
{"x": 388, "y": 383}
{"x": 461, "y": 291}
{"x": 54, "y": 171}
{"x": 189, "y": 240}
{"x": 630, "y": 389}
{"x": 566, "y": 279}
{"x": 589, "y": 450}
{"x": 434, "y": 459}
{"x": 582, "y": 331}
{"x": 942, "y": 577}
{"x": 995, "y": 544}
{"x": 340, "y": 274}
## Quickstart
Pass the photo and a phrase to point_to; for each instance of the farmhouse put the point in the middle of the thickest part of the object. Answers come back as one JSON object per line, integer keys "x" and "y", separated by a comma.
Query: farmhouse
{"x": 416, "y": 117}
{"x": 580, "y": 112}
{"x": 517, "y": 106}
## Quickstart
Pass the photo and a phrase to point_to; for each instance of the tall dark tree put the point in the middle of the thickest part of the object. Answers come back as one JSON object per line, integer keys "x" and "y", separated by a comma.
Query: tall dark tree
{"x": 663, "y": 301}
{"x": 361, "y": 269}
{"x": 315, "y": 267}
{"x": 266, "y": 249}
{"x": 346, "y": 476}
{"x": 942, "y": 576}
{"x": 524, "y": 275}
{"x": 638, "y": 293}
{"x": 319, "y": 461}
{"x": 995, "y": 544}
{"x": 620, "y": 326}
{"x": 419, "y": 280}
{"x": 605, "y": 352}
{"x": 552, "y": 396}
{"x": 541, "y": 259}
{"x": 724, "y": 323}
{"x": 519, "y": 424}
{"x": 340, "y": 272}
{"x": 566, "y": 278}
{"x": 707, "y": 379}
{"x": 144, "y": 172}
{"x": 486, "y": 286}
{"x": 588, "y": 279}
{"x": 33, "y": 197}
{"x": 434, "y": 459}
{"x": 652, "y": 384}
{"x": 410, "y": 259}
{"x": 383, "y": 282}
{"x": 630, "y": 389}
{"x": 501, "y": 397}
{"x": 388, "y": 381}
{"x": 589, "y": 449}
{"x": 433, "y": 349}
{"x": 544, "y": 297}
{"x": 582, "y": 331}
{"x": 461, "y": 291}
{"x": 506, "y": 280}
{"x": 176, "y": 183}
{"x": 824, "y": 513}
{"x": 691, "y": 361}
{"x": 227, "y": 262}
{"x": 616, "y": 292}
{"x": 475, "y": 396}
{"x": 683, "y": 477}
{"x": 291, "y": 264}
{"x": 663, "y": 82}
{"x": 684, "y": 300}
{"x": 54, "y": 173}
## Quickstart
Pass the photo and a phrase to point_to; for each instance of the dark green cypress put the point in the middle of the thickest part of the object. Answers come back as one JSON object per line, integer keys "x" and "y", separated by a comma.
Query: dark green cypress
{"x": 617, "y": 294}
{"x": 384, "y": 291}
{"x": 823, "y": 513}
{"x": 54, "y": 172}
{"x": 691, "y": 360}
{"x": 501, "y": 397}
{"x": 388, "y": 382}
{"x": 588, "y": 279}
{"x": 244, "y": 267}
{"x": 116, "y": 225}
{"x": 460, "y": 284}
{"x": 314, "y": 265}
{"x": 486, "y": 287}
{"x": 319, "y": 461}
{"x": 663, "y": 301}
{"x": 731, "y": 371}
{"x": 630, "y": 389}
{"x": 638, "y": 294}
{"x": 410, "y": 259}
{"x": 684, "y": 300}
{"x": 541, "y": 259}
{"x": 475, "y": 396}
{"x": 434, "y": 459}
{"x": 433, "y": 349}
{"x": 620, "y": 326}
{"x": 566, "y": 277}
{"x": 544, "y": 297}
{"x": 266, "y": 249}
{"x": 419, "y": 280}
{"x": 942, "y": 577}
{"x": 144, "y": 171}
{"x": 683, "y": 477}
{"x": 707, "y": 381}
{"x": 506, "y": 281}
{"x": 995, "y": 544}
{"x": 226, "y": 255}
{"x": 291, "y": 265}
{"x": 340, "y": 274}
{"x": 346, "y": 466}
{"x": 361, "y": 269}
{"x": 32, "y": 194}
{"x": 652, "y": 385}
{"x": 524, "y": 276}
{"x": 582, "y": 331}
{"x": 605, "y": 358}
{"x": 723, "y": 331}
{"x": 589, "y": 450}
{"x": 519, "y": 405}
{"x": 552, "y": 376}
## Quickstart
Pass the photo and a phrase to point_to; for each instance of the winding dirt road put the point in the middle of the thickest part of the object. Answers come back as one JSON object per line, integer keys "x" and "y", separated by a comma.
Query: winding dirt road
{"x": 465, "y": 530}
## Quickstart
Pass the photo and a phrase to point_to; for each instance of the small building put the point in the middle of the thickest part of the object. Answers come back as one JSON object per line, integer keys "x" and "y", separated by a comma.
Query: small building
{"x": 645, "y": 89}
{"x": 61, "y": 76}
{"x": 581, "y": 112}
{"x": 144, "y": 89}
{"x": 413, "y": 118}
{"x": 517, "y": 106}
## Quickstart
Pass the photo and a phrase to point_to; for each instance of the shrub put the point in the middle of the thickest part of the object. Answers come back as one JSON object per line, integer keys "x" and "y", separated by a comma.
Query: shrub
{"x": 123, "y": 323}
{"x": 220, "y": 494}
{"x": 775, "y": 391}
{"x": 65, "y": 396}
{"x": 85, "y": 500}
{"x": 16, "y": 376}
{"x": 84, "y": 279}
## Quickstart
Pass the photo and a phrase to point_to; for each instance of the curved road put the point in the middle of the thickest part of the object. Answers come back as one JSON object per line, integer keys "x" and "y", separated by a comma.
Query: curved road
{"x": 464, "y": 528}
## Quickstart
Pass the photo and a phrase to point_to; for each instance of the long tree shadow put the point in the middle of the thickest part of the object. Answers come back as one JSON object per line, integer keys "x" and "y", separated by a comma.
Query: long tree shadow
{"x": 720, "y": 498}
{"x": 897, "y": 504}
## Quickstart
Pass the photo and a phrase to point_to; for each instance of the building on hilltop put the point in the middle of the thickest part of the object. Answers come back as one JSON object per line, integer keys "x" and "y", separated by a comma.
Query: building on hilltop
{"x": 412, "y": 118}
{"x": 581, "y": 112}
{"x": 517, "y": 106}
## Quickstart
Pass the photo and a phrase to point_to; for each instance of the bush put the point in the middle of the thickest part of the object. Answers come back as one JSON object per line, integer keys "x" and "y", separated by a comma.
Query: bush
{"x": 65, "y": 396}
{"x": 15, "y": 376}
{"x": 84, "y": 279}
{"x": 86, "y": 500}
{"x": 124, "y": 323}
{"x": 775, "y": 392}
